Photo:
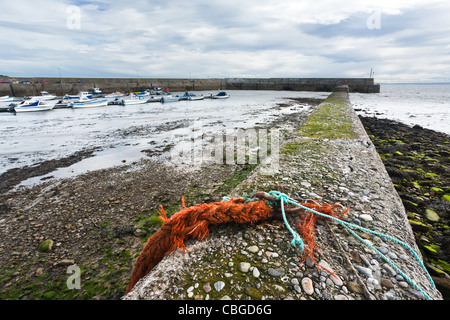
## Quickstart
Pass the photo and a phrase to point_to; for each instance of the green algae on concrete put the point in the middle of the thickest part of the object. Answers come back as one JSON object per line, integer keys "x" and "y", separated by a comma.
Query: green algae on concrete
{"x": 330, "y": 120}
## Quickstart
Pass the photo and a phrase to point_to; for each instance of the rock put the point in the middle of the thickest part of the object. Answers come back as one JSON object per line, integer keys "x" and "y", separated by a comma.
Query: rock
{"x": 366, "y": 217}
{"x": 253, "y": 249}
{"x": 279, "y": 288}
{"x": 219, "y": 285}
{"x": 365, "y": 271}
{"x": 307, "y": 286}
{"x": 275, "y": 272}
{"x": 419, "y": 226}
{"x": 309, "y": 262}
{"x": 39, "y": 272}
{"x": 431, "y": 216}
{"x": 386, "y": 283}
{"x": 355, "y": 287}
{"x": 46, "y": 246}
{"x": 207, "y": 288}
{"x": 66, "y": 262}
{"x": 244, "y": 266}
{"x": 389, "y": 269}
{"x": 336, "y": 280}
{"x": 256, "y": 272}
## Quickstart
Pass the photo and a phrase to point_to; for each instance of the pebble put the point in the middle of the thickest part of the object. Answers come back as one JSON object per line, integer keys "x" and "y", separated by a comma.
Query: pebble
{"x": 386, "y": 283}
{"x": 354, "y": 287}
{"x": 383, "y": 249}
{"x": 207, "y": 288}
{"x": 256, "y": 272}
{"x": 275, "y": 272}
{"x": 336, "y": 280}
{"x": 219, "y": 285}
{"x": 365, "y": 271}
{"x": 307, "y": 286}
{"x": 244, "y": 266}
{"x": 253, "y": 249}
{"x": 366, "y": 217}
{"x": 389, "y": 269}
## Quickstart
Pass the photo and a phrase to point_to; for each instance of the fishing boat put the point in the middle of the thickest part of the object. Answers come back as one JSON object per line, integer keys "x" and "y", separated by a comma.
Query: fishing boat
{"x": 169, "y": 98}
{"x": 83, "y": 94}
{"x": 62, "y": 104}
{"x": 33, "y": 105}
{"x": 143, "y": 93}
{"x": 154, "y": 99}
{"x": 221, "y": 95}
{"x": 44, "y": 96}
{"x": 89, "y": 103}
{"x": 186, "y": 96}
{"x": 6, "y": 99}
{"x": 134, "y": 100}
{"x": 114, "y": 95}
{"x": 194, "y": 98}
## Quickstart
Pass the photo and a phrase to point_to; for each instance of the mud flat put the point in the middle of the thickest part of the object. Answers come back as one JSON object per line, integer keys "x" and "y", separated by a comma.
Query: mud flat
{"x": 328, "y": 157}
{"x": 98, "y": 221}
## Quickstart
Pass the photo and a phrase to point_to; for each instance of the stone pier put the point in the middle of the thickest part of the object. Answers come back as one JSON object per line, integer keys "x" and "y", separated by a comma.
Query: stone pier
{"x": 328, "y": 157}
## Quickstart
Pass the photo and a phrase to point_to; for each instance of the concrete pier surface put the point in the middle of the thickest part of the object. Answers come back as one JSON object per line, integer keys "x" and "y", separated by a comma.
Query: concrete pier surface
{"x": 18, "y": 87}
{"x": 328, "y": 157}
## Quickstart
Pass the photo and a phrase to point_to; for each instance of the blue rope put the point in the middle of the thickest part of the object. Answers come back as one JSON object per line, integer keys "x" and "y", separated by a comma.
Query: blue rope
{"x": 283, "y": 198}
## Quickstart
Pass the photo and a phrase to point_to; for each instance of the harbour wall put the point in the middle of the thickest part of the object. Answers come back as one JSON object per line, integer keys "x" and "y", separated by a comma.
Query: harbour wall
{"x": 19, "y": 87}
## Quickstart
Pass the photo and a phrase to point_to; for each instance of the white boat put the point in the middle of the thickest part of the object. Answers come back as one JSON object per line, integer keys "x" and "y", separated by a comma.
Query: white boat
{"x": 44, "y": 96}
{"x": 114, "y": 95}
{"x": 6, "y": 99}
{"x": 83, "y": 94}
{"x": 154, "y": 99}
{"x": 134, "y": 100}
{"x": 221, "y": 95}
{"x": 89, "y": 103}
{"x": 33, "y": 105}
{"x": 169, "y": 98}
{"x": 194, "y": 98}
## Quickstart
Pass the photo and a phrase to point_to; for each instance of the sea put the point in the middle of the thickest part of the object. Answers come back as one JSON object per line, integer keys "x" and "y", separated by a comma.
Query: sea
{"x": 427, "y": 105}
{"x": 122, "y": 134}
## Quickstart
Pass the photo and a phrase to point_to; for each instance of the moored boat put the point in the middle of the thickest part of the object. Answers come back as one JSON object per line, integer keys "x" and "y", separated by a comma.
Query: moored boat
{"x": 154, "y": 99}
{"x": 89, "y": 103}
{"x": 194, "y": 98}
{"x": 83, "y": 94}
{"x": 33, "y": 105}
{"x": 221, "y": 95}
{"x": 169, "y": 98}
{"x": 114, "y": 95}
{"x": 6, "y": 99}
{"x": 134, "y": 100}
{"x": 44, "y": 96}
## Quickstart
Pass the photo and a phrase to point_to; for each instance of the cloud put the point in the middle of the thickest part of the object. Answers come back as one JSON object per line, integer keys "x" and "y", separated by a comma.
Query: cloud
{"x": 264, "y": 38}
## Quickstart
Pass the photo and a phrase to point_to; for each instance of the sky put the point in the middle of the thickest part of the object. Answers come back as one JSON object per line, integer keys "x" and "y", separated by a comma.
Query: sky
{"x": 400, "y": 41}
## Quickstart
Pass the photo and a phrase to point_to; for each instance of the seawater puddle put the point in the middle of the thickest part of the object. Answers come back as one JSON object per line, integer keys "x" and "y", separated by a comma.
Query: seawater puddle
{"x": 125, "y": 132}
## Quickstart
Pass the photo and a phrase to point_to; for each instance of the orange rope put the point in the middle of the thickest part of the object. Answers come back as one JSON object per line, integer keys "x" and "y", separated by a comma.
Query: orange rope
{"x": 193, "y": 222}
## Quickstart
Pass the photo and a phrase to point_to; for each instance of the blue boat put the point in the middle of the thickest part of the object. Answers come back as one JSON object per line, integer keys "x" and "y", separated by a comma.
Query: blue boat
{"x": 221, "y": 95}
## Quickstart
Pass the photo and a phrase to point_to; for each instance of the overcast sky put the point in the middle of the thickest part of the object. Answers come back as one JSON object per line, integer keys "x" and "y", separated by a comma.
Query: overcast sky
{"x": 403, "y": 41}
